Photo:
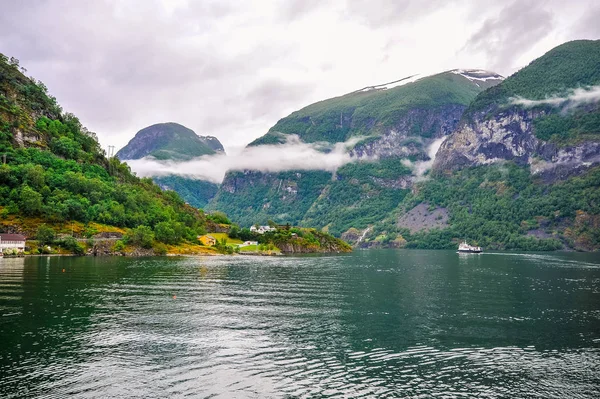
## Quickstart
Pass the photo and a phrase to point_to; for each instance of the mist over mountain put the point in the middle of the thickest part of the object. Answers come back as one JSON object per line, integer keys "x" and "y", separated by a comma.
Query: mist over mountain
{"x": 174, "y": 142}
{"x": 359, "y": 165}
{"x": 509, "y": 152}
{"x": 394, "y": 126}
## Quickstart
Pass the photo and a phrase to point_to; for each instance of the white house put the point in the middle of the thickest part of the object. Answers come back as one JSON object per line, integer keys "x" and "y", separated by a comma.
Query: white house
{"x": 262, "y": 229}
{"x": 12, "y": 242}
{"x": 246, "y": 243}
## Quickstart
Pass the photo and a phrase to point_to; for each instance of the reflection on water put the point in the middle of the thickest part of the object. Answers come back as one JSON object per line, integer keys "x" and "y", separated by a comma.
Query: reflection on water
{"x": 369, "y": 324}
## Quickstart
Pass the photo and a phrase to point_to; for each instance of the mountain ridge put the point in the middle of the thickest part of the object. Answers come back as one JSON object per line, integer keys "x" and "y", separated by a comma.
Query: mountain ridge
{"x": 399, "y": 123}
{"x": 169, "y": 140}
{"x": 508, "y": 175}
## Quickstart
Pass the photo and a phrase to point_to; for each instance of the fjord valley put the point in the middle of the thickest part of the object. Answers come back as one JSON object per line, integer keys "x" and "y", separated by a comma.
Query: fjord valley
{"x": 367, "y": 199}
{"x": 516, "y": 169}
{"x": 60, "y": 190}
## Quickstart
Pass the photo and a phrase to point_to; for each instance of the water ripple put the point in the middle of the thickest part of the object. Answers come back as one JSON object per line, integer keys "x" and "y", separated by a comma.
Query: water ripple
{"x": 431, "y": 326}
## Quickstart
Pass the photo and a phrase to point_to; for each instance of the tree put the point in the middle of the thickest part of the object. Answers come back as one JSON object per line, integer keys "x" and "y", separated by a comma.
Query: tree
{"x": 142, "y": 236}
{"x": 169, "y": 233}
{"x": 45, "y": 235}
{"x": 31, "y": 201}
{"x": 219, "y": 217}
{"x": 66, "y": 147}
{"x": 234, "y": 231}
{"x": 72, "y": 245}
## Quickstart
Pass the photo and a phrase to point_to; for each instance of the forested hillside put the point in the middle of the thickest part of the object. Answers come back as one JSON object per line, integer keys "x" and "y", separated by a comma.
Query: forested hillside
{"x": 54, "y": 170}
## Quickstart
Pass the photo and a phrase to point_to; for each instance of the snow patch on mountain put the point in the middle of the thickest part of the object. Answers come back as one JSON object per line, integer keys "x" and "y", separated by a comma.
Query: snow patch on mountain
{"x": 390, "y": 85}
{"x": 477, "y": 75}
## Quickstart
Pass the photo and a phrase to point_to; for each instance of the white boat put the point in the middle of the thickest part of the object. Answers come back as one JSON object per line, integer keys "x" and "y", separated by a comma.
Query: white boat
{"x": 466, "y": 248}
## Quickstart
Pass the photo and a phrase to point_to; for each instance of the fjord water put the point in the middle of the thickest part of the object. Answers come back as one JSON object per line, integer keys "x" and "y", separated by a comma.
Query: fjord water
{"x": 379, "y": 323}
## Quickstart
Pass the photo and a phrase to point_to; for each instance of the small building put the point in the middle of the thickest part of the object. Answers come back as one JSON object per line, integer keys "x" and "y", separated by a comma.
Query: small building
{"x": 246, "y": 243}
{"x": 11, "y": 242}
{"x": 207, "y": 240}
{"x": 262, "y": 229}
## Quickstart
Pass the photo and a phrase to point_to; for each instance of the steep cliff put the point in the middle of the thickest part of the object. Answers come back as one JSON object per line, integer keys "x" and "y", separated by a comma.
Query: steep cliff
{"x": 395, "y": 125}
{"x": 544, "y": 116}
{"x": 521, "y": 171}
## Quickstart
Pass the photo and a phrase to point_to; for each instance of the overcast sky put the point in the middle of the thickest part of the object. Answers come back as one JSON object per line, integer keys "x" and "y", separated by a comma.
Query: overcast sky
{"x": 233, "y": 68}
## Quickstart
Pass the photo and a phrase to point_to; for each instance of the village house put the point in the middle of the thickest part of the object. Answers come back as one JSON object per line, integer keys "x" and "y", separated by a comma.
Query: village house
{"x": 11, "y": 242}
{"x": 207, "y": 240}
{"x": 246, "y": 243}
{"x": 262, "y": 229}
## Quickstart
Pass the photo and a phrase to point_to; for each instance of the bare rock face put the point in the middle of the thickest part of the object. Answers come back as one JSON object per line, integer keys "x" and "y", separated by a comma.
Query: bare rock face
{"x": 401, "y": 140}
{"x": 352, "y": 235}
{"x": 508, "y": 136}
{"x": 422, "y": 218}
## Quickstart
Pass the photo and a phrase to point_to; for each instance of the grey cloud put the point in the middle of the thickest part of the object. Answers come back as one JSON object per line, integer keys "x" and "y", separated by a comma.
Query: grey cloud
{"x": 294, "y": 9}
{"x": 225, "y": 67}
{"x": 115, "y": 65}
{"x": 378, "y": 13}
{"x": 516, "y": 29}
{"x": 588, "y": 27}
{"x": 275, "y": 91}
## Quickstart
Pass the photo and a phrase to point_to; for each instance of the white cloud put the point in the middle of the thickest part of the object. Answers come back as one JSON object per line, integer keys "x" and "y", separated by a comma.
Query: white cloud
{"x": 231, "y": 69}
{"x": 575, "y": 97}
{"x": 421, "y": 167}
{"x": 293, "y": 155}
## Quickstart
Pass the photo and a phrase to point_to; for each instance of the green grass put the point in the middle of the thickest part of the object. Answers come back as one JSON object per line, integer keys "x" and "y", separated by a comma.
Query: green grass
{"x": 220, "y": 236}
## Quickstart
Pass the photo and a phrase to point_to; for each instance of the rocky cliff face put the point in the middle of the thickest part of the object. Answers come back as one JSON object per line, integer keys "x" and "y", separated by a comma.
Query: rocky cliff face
{"x": 412, "y": 133}
{"x": 535, "y": 117}
{"x": 509, "y": 136}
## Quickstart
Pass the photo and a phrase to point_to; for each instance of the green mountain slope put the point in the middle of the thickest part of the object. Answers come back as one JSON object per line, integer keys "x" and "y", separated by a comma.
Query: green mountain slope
{"x": 397, "y": 124}
{"x": 172, "y": 141}
{"x": 517, "y": 175}
{"x": 376, "y": 109}
{"x": 568, "y": 66}
{"x": 169, "y": 141}
{"x": 197, "y": 193}
{"x": 55, "y": 172}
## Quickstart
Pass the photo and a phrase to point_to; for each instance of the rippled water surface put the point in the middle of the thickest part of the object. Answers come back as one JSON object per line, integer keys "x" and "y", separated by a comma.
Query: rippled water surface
{"x": 379, "y": 323}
